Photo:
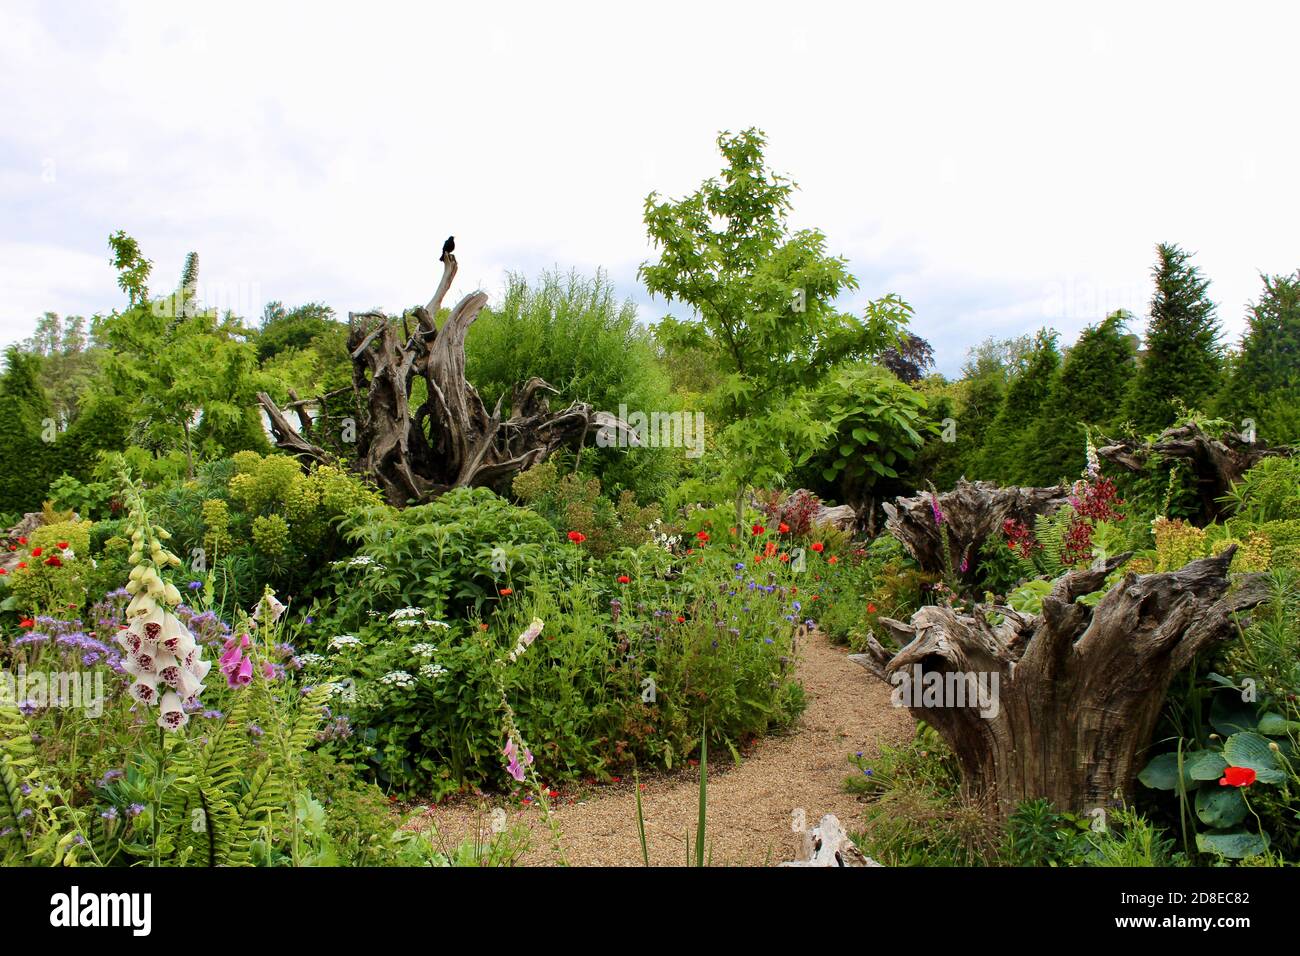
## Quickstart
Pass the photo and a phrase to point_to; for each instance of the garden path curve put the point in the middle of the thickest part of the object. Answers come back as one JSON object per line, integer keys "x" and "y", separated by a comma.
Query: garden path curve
{"x": 750, "y": 806}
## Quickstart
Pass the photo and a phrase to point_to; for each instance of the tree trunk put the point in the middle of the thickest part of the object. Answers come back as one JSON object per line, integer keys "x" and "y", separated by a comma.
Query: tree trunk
{"x": 1075, "y": 691}
{"x": 451, "y": 440}
{"x": 1217, "y": 463}
{"x": 971, "y": 513}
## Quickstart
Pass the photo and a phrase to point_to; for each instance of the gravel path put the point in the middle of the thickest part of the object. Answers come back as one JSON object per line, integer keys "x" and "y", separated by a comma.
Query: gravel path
{"x": 750, "y": 805}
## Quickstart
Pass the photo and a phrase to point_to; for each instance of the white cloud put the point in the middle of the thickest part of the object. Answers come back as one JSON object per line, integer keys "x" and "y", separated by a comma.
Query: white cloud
{"x": 999, "y": 168}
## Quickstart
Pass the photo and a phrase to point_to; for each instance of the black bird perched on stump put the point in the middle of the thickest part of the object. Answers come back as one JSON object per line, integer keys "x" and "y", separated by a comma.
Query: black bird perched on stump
{"x": 448, "y": 246}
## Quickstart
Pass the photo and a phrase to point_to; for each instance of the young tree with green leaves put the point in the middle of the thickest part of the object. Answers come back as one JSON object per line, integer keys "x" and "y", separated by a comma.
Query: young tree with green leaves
{"x": 762, "y": 301}
{"x": 1183, "y": 359}
{"x": 189, "y": 376}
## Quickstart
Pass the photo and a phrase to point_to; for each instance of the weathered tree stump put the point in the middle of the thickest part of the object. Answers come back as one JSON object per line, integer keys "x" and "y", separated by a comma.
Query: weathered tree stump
{"x": 1078, "y": 690}
{"x": 451, "y": 440}
{"x": 1216, "y": 462}
{"x": 971, "y": 512}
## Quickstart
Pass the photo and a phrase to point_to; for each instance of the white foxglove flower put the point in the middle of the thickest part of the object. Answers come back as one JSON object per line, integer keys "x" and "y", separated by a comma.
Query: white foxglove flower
{"x": 144, "y": 691}
{"x": 172, "y": 714}
{"x": 176, "y": 638}
{"x": 268, "y": 609}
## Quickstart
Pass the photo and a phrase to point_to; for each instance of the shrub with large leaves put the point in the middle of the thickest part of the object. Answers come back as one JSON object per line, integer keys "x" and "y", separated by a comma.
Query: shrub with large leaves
{"x": 879, "y": 427}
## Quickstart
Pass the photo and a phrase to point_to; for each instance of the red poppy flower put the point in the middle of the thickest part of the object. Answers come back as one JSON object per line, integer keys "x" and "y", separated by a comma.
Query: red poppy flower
{"x": 22, "y": 564}
{"x": 769, "y": 549}
{"x": 871, "y": 608}
{"x": 819, "y": 547}
{"x": 615, "y": 779}
{"x": 624, "y": 579}
{"x": 1237, "y": 777}
{"x": 783, "y": 528}
{"x": 26, "y": 623}
{"x": 53, "y": 561}
{"x": 13, "y": 547}
{"x": 577, "y": 537}
{"x": 784, "y": 556}
{"x": 832, "y": 560}
{"x": 690, "y": 550}
{"x": 482, "y": 627}
{"x": 22, "y": 540}
{"x": 758, "y": 559}
{"x": 36, "y": 552}
{"x": 506, "y": 592}
{"x": 63, "y": 546}
{"x": 3, "y": 571}
{"x": 680, "y": 619}
{"x": 702, "y": 535}
{"x": 758, "y": 529}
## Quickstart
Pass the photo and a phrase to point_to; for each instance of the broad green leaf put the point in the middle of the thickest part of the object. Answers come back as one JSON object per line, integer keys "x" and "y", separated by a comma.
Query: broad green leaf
{"x": 1234, "y": 844}
{"x": 1251, "y": 750}
{"x": 1220, "y": 807}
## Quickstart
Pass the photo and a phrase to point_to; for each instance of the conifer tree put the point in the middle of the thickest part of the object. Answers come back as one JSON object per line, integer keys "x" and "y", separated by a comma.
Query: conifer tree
{"x": 1089, "y": 391}
{"x": 1264, "y": 381}
{"x": 1007, "y": 452}
{"x": 1183, "y": 360}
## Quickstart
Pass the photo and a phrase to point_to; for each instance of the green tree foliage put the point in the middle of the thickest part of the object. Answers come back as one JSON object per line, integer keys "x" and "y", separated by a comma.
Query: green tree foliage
{"x": 27, "y": 417}
{"x": 1183, "y": 358}
{"x": 1007, "y": 451}
{"x": 189, "y": 377}
{"x": 1089, "y": 391}
{"x": 574, "y": 333}
{"x": 1264, "y": 380}
{"x": 879, "y": 423}
{"x": 299, "y": 329}
{"x": 68, "y": 362}
{"x": 762, "y": 302}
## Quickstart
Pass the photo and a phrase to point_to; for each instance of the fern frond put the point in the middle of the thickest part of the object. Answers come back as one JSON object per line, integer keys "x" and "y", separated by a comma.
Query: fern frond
{"x": 256, "y": 813}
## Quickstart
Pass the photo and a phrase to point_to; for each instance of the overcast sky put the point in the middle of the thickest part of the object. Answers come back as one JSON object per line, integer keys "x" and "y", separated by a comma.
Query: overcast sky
{"x": 999, "y": 166}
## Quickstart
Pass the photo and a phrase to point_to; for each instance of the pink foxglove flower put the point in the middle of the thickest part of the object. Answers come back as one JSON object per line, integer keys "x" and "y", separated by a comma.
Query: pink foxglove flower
{"x": 513, "y": 767}
{"x": 526, "y": 638}
{"x": 241, "y": 675}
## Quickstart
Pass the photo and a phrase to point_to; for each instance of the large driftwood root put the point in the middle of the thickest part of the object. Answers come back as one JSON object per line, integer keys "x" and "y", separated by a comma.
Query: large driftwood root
{"x": 451, "y": 440}
{"x": 972, "y": 512}
{"x": 1077, "y": 690}
{"x": 1217, "y": 462}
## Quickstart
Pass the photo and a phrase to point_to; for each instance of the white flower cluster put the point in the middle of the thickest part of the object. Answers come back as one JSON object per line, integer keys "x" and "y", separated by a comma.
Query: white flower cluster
{"x": 359, "y": 561}
{"x": 397, "y": 679}
{"x": 432, "y": 671}
{"x": 342, "y": 641}
{"x": 310, "y": 658}
{"x": 408, "y": 617}
{"x": 666, "y": 541}
{"x": 345, "y": 690}
{"x": 423, "y": 650}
